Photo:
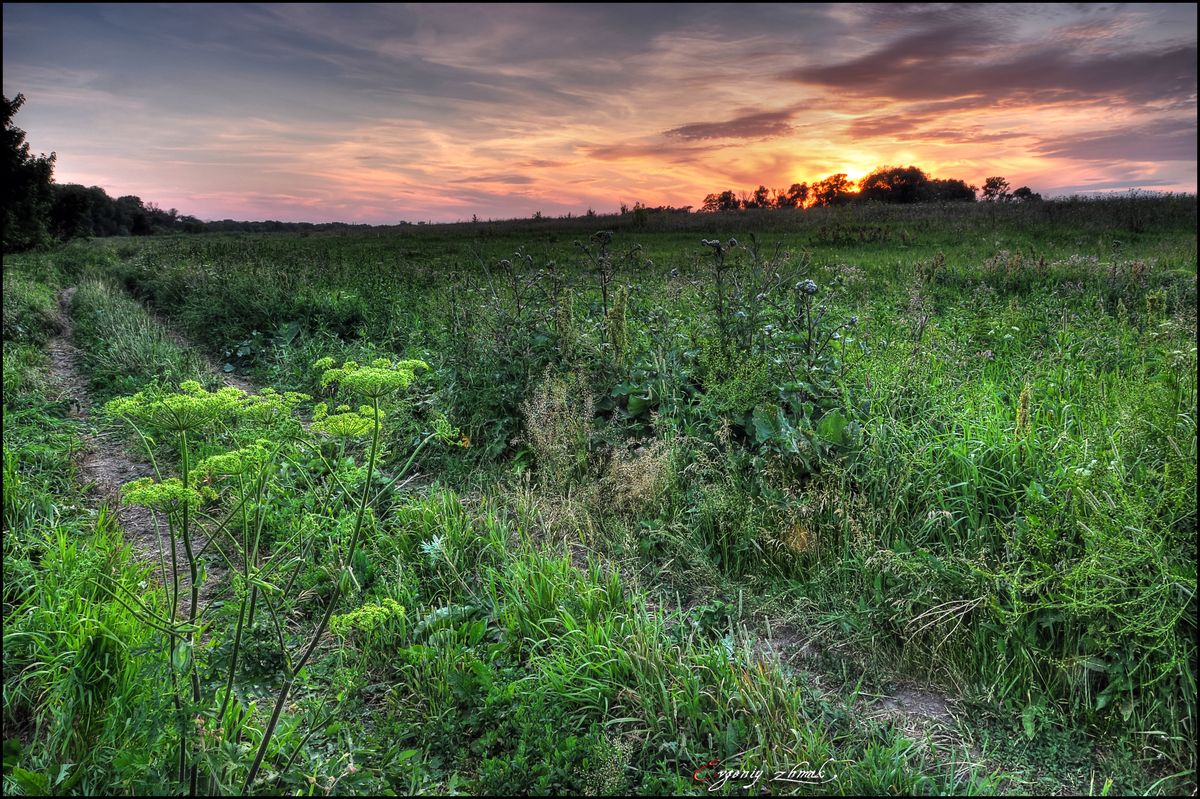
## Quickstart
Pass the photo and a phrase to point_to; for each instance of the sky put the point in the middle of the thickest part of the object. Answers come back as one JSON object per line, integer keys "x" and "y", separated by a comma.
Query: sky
{"x": 439, "y": 112}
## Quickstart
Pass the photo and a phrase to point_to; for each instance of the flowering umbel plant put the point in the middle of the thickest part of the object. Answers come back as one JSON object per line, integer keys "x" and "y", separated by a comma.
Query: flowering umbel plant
{"x": 381, "y": 378}
{"x": 232, "y": 451}
{"x": 191, "y": 408}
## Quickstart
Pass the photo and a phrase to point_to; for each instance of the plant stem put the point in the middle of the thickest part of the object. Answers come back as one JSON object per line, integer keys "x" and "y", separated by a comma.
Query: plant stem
{"x": 193, "y": 572}
{"x": 337, "y": 587}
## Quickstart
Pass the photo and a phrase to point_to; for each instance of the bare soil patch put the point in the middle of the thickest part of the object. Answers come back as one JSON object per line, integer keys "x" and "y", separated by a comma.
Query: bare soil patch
{"x": 105, "y": 464}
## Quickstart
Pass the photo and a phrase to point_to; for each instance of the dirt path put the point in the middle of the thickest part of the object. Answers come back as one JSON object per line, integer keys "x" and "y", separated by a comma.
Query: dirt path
{"x": 105, "y": 464}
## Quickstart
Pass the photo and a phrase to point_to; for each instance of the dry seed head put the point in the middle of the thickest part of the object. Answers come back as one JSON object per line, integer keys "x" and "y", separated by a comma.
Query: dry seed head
{"x": 1023, "y": 411}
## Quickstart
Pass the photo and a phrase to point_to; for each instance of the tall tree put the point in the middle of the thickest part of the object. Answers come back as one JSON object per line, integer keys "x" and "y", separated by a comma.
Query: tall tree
{"x": 894, "y": 184}
{"x": 24, "y": 186}
{"x": 949, "y": 190}
{"x": 995, "y": 189}
{"x": 797, "y": 195}
{"x": 761, "y": 198}
{"x": 833, "y": 190}
{"x": 725, "y": 201}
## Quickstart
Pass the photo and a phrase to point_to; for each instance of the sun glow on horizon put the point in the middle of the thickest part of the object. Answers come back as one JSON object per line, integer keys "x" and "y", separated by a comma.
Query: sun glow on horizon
{"x": 363, "y": 114}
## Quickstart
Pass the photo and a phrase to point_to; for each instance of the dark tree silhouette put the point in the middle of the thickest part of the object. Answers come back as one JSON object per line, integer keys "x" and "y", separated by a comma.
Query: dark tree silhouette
{"x": 995, "y": 189}
{"x": 24, "y": 186}
{"x": 797, "y": 195}
{"x": 725, "y": 201}
{"x": 761, "y": 198}
{"x": 950, "y": 190}
{"x": 1026, "y": 194}
{"x": 833, "y": 190}
{"x": 894, "y": 184}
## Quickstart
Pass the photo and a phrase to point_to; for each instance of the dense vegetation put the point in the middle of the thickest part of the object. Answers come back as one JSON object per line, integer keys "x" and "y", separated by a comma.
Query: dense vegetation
{"x": 569, "y": 506}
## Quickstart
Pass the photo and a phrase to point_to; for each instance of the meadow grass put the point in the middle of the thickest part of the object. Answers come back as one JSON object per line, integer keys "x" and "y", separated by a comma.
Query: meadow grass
{"x": 954, "y": 447}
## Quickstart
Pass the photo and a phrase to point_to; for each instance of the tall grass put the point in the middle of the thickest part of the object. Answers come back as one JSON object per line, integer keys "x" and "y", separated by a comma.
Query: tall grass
{"x": 963, "y": 456}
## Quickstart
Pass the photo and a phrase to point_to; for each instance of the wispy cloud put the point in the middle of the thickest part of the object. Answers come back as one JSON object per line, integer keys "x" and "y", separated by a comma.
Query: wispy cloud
{"x": 378, "y": 113}
{"x": 760, "y": 125}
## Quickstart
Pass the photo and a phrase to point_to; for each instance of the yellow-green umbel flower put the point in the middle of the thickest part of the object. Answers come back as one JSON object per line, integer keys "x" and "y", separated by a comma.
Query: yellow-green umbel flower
{"x": 269, "y": 404}
{"x": 246, "y": 460}
{"x": 447, "y": 433}
{"x": 193, "y": 407}
{"x": 345, "y": 425}
{"x": 168, "y": 496}
{"x": 381, "y": 378}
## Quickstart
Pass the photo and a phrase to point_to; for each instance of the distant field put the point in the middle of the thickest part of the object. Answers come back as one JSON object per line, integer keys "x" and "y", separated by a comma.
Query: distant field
{"x": 905, "y": 494}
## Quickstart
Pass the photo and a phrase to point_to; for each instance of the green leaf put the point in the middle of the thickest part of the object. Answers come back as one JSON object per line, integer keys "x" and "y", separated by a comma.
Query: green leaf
{"x": 832, "y": 427}
{"x": 764, "y": 424}
{"x": 12, "y": 753}
{"x": 1029, "y": 717}
{"x": 32, "y": 783}
{"x": 182, "y": 655}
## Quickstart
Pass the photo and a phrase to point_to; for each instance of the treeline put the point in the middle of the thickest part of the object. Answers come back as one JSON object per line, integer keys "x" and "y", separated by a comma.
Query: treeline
{"x": 37, "y": 211}
{"x": 77, "y": 211}
{"x": 887, "y": 184}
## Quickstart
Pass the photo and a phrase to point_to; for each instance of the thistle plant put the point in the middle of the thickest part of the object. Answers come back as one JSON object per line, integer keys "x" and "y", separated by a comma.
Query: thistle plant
{"x": 596, "y": 251}
{"x": 720, "y": 278}
{"x": 604, "y": 262}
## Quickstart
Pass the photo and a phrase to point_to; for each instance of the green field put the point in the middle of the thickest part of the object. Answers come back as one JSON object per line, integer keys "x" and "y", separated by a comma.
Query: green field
{"x": 904, "y": 495}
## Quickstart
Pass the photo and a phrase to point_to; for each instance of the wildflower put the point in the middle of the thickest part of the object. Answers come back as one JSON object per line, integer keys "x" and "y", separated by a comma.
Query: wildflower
{"x": 381, "y": 378}
{"x": 191, "y": 408}
{"x": 806, "y": 287}
{"x": 348, "y": 424}
{"x": 853, "y": 321}
{"x": 270, "y": 404}
{"x": 733, "y": 242}
{"x": 239, "y": 461}
{"x": 448, "y": 433}
{"x": 169, "y": 496}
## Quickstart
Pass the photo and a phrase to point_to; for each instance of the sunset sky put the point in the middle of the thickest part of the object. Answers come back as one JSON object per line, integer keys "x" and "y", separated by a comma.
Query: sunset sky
{"x": 383, "y": 113}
